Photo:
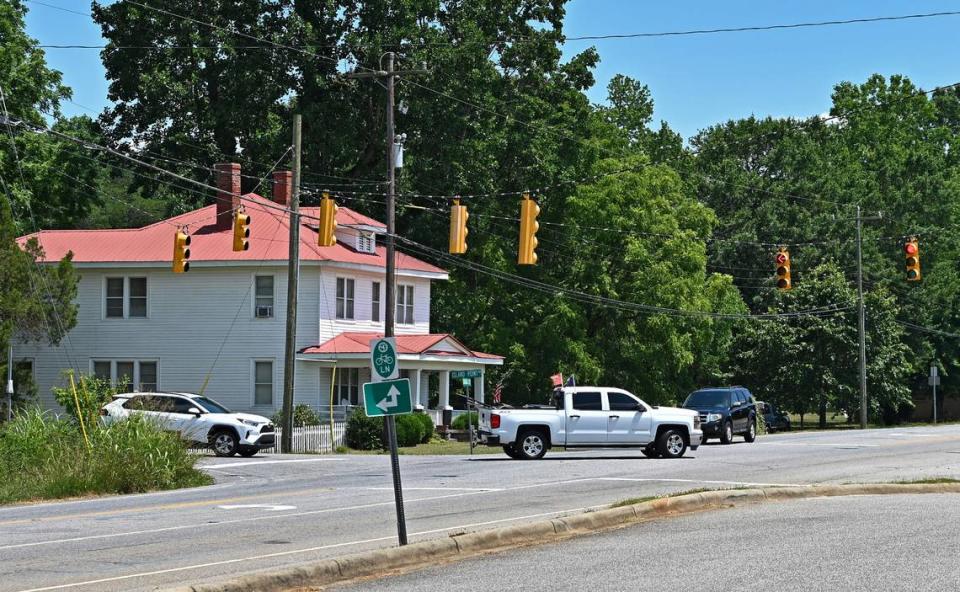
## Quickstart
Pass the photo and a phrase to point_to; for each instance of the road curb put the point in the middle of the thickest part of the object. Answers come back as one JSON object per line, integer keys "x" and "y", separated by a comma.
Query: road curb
{"x": 374, "y": 563}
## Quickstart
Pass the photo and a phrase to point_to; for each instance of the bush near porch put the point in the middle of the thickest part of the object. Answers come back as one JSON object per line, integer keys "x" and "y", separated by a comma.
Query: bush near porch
{"x": 366, "y": 433}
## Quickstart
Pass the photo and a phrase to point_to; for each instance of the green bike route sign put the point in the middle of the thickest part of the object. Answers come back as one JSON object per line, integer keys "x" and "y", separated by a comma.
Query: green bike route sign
{"x": 383, "y": 359}
{"x": 390, "y": 397}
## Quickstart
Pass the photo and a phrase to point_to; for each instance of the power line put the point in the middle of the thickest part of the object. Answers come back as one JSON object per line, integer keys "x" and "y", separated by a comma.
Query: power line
{"x": 928, "y": 329}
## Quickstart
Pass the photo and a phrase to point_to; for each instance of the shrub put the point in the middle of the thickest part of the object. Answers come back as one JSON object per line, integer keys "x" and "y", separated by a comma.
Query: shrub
{"x": 460, "y": 421}
{"x": 409, "y": 430}
{"x": 427, "y": 425}
{"x": 92, "y": 394}
{"x": 43, "y": 457}
{"x": 364, "y": 433}
{"x": 303, "y": 415}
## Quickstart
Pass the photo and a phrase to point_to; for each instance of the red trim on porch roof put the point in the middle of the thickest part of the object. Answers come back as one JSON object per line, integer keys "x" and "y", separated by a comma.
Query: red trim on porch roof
{"x": 359, "y": 343}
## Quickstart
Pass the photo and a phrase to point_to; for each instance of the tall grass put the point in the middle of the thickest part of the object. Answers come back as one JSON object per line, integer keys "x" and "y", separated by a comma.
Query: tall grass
{"x": 46, "y": 457}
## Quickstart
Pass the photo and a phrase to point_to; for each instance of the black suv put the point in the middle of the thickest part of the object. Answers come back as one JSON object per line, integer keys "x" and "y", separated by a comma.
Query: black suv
{"x": 724, "y": 412}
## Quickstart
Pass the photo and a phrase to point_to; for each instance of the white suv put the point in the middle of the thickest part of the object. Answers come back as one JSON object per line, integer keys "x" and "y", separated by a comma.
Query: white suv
{"x": 197, "y": 419}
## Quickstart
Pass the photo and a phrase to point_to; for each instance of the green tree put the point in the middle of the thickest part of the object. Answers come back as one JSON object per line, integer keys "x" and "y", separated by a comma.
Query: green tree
{"x": 36, "y": 300}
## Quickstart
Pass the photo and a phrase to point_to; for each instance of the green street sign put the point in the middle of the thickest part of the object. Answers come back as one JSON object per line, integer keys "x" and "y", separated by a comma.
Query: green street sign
{"x": 466, "y": 374}
{"x": 383, "y": 359}
{"x": 391, "y": 397}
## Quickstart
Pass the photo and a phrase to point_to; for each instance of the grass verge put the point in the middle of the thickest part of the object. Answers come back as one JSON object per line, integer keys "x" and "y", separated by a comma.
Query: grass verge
{"x": 639, "y": 500}
{"x": 45, "y": 457}
{"x": 928, "y": 480}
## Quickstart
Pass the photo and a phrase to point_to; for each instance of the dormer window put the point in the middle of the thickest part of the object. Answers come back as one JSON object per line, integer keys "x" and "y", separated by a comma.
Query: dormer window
{"x": 366, "y": 242}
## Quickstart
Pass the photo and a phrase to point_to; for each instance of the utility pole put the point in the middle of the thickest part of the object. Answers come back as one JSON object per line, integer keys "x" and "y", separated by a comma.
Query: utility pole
{"x": 10, "y": 382}
{"x": 862, "y": 319}
{"x": 389, "y": 77}
{"x": 293, "y": 280}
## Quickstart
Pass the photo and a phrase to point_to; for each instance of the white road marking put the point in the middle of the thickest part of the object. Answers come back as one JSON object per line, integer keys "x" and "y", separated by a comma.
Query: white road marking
{"x": 478, "y": 489}
{"x": 250, "y": 463}
{"x": 308, "y": 550}
{"x": 837, "y": 445}
{"x": 273, "y": 516}
{"x": 267, "y": 507}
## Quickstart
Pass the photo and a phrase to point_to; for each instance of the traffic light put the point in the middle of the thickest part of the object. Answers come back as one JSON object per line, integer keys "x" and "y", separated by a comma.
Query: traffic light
{"x": 181, "y": 254}
{"x": 783, "y": 269}
{"x": 529, "y": 210}
{"x": 327, "y": 228}
{"x": 911, "y": 251}
{"x": 241, "y": 231}
{"x": 458, "y": 228}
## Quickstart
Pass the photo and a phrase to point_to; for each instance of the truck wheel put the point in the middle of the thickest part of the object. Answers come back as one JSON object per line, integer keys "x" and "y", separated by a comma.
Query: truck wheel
{"x": 727, "y": 435}
{"x": 650, "y": 451}
{"x": 751, "y": 434}
{"x": 531, "y": 445}
{"x": 511, "y": 451}
{"x": 671, "y": 444}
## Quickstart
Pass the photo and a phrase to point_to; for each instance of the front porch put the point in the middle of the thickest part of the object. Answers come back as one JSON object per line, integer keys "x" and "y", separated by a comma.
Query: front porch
{"x": 430, "y": 362}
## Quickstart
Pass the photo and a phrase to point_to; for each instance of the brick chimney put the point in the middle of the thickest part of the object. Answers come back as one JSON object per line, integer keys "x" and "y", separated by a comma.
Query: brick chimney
{"x": 282, "y": 187}
{"x": 228, "y": 196}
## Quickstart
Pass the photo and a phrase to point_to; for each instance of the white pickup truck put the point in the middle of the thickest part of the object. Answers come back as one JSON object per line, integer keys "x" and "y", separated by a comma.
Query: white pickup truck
{"x": 591, "y": 417}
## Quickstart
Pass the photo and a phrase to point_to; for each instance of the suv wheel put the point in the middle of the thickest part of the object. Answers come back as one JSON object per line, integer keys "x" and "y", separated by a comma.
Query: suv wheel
{"x": 671, "y": 444}
{"x": 727, "y": 435}
{"x": 224, "y": 443}
{"x": 531, "y": 445}
{"x": 751, "y": 434}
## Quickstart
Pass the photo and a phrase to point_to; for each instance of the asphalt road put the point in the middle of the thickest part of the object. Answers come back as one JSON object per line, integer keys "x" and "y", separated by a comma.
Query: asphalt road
{"x": 270, "y": 512}
{"x": 869, "y": 543}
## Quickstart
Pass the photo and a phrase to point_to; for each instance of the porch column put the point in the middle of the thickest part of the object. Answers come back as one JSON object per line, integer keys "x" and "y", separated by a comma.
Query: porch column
{"x": 478, "y": 387}
{"x": 445, "y": 390}
{"x": 418, "y": 400}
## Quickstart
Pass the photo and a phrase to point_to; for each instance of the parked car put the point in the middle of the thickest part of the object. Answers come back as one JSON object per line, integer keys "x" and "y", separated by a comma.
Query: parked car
{"x": 591, "y": 417}
{"x": 775, "y": 418}
{"x": 197, "y": 419}
{"x": 725, "y": 412}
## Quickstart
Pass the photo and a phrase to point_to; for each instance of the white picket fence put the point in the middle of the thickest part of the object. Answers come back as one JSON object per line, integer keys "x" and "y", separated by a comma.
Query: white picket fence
{"x": 309, "y": 439}
{"x": 312, "y": 439}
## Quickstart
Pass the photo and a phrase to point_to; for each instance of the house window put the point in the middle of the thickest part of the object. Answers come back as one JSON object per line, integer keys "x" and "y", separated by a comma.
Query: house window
{"x": 366, "y": 243}
{"x": 115, "y": 298}
{"x": 375, "y": 303}
{"x": 126, "y": 298}
{"x": 263, "y": 383}
{"x": 264, "y": 297}
{"x": 148, "y": 377}
{"x": 138, "y": 297}
{"x": 405, "y": 305}
{"x": 344, "y": 298}
{"x": 128, "y": 375}
{"x": 347, "y": 386}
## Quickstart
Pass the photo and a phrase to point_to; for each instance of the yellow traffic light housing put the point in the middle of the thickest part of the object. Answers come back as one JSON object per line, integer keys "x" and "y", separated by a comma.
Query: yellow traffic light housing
{"x": 529, "y": 210}
{"x": 241, "y": 231}
{"x": 911, "y": 251}
{"x": 782, "y": 260}
{"x": 181, "y": 252}
{"x": 458, "y": 228}
{"x": 327, "y": 227}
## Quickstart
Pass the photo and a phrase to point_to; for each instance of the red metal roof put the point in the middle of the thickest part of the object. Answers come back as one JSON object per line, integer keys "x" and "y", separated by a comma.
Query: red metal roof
{"x": 269, "y": 240}
{"x": 359, "y": 343}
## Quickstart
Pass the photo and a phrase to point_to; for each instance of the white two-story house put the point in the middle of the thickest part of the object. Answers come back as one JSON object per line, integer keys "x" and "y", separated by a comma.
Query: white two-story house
{"x": 220, "y": 327}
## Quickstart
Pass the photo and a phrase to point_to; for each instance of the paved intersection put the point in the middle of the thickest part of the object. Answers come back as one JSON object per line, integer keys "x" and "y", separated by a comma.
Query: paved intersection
{"x": 269, "y": 512}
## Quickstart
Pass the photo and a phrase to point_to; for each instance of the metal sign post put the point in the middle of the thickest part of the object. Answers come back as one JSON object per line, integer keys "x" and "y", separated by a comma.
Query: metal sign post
{"x": 934, "y": 380}
{"x": 388, "y": 397}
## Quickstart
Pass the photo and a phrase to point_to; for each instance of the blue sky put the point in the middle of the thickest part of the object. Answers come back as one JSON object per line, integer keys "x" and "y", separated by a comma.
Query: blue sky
{"x": 695, "y": 81}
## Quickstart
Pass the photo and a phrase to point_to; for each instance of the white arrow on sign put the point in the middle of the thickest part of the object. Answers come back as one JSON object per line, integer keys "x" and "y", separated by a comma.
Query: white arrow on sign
{"x": 390, "y": 401}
